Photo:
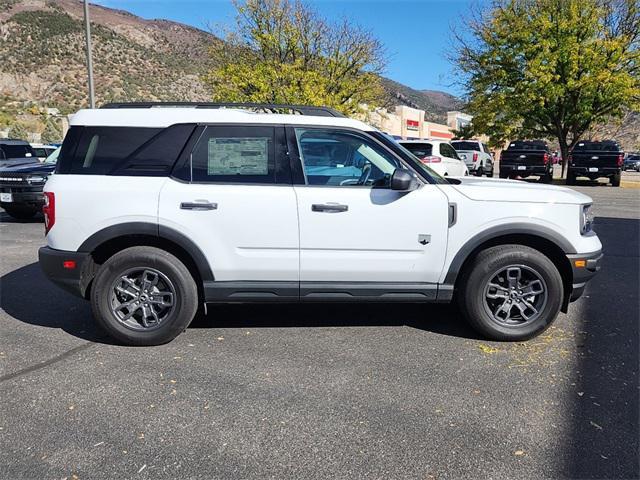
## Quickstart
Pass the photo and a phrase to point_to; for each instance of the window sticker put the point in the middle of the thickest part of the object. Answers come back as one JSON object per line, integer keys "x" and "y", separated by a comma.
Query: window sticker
{"x": 238, "y": 156}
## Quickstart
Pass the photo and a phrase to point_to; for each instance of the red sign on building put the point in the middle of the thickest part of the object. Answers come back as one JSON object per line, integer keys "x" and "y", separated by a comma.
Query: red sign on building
{"x": 413, "y": 125}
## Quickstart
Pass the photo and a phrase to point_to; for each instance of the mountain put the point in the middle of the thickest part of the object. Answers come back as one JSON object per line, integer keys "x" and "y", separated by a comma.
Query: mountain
{"x": 43, "y": 59}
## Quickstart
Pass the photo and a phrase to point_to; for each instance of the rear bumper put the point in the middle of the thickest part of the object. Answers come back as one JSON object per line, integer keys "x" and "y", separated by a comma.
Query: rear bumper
{"x": 602, "y": 171}
{"x": 74, "y": 280}
{"x": 585, "y": 267}
{"x": 35, "y": 199}
{"x": 527, "y": 170}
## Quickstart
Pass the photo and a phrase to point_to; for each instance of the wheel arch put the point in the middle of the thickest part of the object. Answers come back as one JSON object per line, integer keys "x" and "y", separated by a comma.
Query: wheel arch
{"x": 108, "y": 241}
{"x": 545, "y": 240}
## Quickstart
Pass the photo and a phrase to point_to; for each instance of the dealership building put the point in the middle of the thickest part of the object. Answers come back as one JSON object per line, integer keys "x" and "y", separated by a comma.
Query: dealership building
{"x": 408, "y": 123}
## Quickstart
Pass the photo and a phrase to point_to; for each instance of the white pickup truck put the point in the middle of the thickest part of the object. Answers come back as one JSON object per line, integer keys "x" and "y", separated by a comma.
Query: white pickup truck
{"x": 476, "y": 155}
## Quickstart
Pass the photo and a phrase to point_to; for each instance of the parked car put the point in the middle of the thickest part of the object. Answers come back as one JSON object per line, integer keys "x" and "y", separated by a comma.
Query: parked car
{"x": 154, "y": 211}
{"x": 476, "y": 155}
{"x": 14, "y": 152}
{"x": 21, "y": 186}
{"x": 632, "y": 162}
{"x": 437, "y": 154}
{"x": 524, "y": 158}
{"x": 42, "y": 151}
{"x": 596, "y": 160}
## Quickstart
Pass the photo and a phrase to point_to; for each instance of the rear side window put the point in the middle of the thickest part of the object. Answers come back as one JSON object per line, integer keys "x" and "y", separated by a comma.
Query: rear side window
{"x": 420, "y": 150}
{"x": 466, "y": 145}
{"x": 122, "y": 150}
{"x": 447, "y": 150}
{"x": 235, "y": 154}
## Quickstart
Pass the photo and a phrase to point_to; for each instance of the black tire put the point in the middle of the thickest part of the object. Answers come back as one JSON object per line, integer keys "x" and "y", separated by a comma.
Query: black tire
{"x": 484, "y": 267}
{"x": 21, "y": 213}
{"x": 571, "y": 179}
{"x": 185, "y": 298}
{"x": 546, "y": 178}
{"x": 478, "y": 172}
{"x": 490, "y": 174}
{"x": 504, "y": 175}
{"x": 615, "y": 180}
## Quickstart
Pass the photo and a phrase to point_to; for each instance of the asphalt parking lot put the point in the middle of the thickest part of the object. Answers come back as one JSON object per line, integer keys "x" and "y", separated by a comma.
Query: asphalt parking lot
{"x": 323, "y": 391}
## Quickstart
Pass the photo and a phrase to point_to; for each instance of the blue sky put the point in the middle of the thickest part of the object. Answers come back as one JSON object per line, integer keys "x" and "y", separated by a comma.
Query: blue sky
{"x": 416, "y": 33}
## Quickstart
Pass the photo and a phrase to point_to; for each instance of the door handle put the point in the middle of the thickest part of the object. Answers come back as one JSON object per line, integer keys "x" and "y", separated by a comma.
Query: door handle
{"x": 329, "y": 207}
{"x": 198, "y": 206}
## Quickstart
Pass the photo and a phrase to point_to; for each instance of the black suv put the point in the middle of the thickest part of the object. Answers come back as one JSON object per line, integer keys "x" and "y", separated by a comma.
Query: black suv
{"x": 21, "y": 184}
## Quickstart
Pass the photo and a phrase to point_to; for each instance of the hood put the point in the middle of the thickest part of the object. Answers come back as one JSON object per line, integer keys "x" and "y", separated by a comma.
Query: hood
{"x": 31, "y": 167}
{"x": 499, "y": 190}
{"x": 19, "y": 161}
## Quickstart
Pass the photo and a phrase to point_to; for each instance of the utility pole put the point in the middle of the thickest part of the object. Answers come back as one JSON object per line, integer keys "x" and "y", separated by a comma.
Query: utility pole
{"x": 87, "y": 27}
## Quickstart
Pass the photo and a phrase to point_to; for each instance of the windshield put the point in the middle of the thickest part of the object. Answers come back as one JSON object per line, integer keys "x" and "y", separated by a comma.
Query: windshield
{"x": 459, "y": 145}
{"x": 410, "y": 159}
{"x": 52, "y": 159}
{"x": 15, "y": 151}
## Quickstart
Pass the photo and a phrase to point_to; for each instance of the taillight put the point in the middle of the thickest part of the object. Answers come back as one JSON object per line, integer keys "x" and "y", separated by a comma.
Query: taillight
{"x": 620, "y": 160}
{"x": 475, "y": 156}
{"x": 545, "y": 158}
{"x": 49, "y": 210}
{"x": 430, "y": 159}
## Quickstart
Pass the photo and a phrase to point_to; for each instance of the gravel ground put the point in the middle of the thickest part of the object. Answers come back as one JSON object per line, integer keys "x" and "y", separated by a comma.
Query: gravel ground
{"x": 323, "y": 391}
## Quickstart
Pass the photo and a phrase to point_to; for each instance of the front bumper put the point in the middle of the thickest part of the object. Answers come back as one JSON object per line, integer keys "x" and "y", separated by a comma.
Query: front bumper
{"x": 584, "y": 266}
{"x": 57, "y": 266}
{"x": 32, "y": 196}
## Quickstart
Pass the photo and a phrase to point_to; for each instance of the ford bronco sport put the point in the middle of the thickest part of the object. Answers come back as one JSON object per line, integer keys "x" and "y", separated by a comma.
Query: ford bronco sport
{"x": 153, "y": 211}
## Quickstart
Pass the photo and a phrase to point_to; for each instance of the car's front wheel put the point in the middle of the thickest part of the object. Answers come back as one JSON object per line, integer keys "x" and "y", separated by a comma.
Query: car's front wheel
{"x": 510, "y": 292}
{"x": 144, "y": 296}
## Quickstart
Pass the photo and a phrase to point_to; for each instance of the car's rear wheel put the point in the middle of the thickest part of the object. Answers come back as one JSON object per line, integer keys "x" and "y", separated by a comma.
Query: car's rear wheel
{"x": 21, "y": 213}
{"x": 144, "y": 296}
{"x": 504, "y": 175}
{"x": 571, "y": 178}
{"x": 510, "y": 292}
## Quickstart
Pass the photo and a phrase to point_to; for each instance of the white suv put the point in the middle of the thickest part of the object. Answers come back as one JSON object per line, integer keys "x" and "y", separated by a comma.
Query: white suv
{"x": 154, "y": 211}
{"x": 439, "y": 155}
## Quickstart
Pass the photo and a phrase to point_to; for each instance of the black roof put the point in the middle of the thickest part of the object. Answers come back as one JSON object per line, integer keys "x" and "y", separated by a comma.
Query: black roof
{"x": 13, "y": 141}
{"x": 261, "y": 107}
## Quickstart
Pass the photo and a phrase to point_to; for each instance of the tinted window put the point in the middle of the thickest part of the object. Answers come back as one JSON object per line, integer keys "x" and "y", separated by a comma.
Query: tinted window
{"x": 342, "y": 158}
{"x": 100, "y": 149}
{"x": 597, "y": 146}
{"x": 16, "y": 151}
{"x": 527, "y": 145}
{"x": 447, "y": 150}
{"x": 460, "y": 145}
{"x": 235, "y": 155}
{"x": 420, "y": 150}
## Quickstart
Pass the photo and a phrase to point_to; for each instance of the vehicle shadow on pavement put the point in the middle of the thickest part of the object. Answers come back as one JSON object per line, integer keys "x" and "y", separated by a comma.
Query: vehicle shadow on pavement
{"x": 604, "y": 441}
{"x": 28, "y": 296}
{"x": 440, "y": 319}
{"x": 6, "y": 218}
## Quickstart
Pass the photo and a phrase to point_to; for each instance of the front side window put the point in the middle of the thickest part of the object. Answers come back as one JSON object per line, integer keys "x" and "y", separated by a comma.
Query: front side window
{"x": 235, "y": 154}
{"x": 342, "y": 158}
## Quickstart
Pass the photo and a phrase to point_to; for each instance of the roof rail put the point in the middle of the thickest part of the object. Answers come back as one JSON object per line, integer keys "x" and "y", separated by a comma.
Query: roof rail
{"x": 261, "y": 107}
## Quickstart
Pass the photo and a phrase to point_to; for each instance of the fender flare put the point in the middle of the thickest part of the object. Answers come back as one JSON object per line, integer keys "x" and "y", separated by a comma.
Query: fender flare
{"x": 155, "y": 230}
{"x": 499, "y": 231}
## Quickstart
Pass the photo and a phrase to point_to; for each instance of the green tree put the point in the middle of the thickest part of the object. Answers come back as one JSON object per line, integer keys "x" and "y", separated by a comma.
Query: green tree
{"x": 52, "y": 132}
{"x": 466, "y": 132}
{"x": 282, "y": 52}
{"x": 550, "y": 68}
{"x": 18, "y": 131}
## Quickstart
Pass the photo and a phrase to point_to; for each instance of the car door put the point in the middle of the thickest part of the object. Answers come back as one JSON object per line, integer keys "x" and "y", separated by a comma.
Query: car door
{"x": 355, "y": 232}
{"x": 234, "y": 199}
{"x": 456, "y": 166}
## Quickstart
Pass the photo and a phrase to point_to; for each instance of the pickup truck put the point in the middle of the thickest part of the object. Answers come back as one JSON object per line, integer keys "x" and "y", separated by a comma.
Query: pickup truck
{"x": 596, "y": 160}
{"x": 476, "y": 155}
{"x": 524, "y": 158}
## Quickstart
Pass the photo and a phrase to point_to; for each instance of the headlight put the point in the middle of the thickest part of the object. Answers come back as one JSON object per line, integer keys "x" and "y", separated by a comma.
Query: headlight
{"x": 586, "y": 219}
{"x": 36, "y": 179}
